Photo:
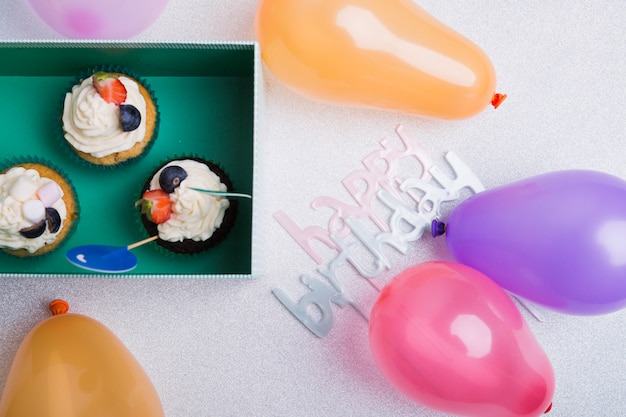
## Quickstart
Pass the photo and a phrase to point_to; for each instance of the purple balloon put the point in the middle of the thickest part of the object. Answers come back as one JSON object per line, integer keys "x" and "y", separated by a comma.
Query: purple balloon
{"x": 557, "y": 239}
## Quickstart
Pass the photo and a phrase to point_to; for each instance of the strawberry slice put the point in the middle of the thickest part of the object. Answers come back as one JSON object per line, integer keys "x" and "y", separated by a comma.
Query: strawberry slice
{"x": 155, "y": 204}
{"x": 109, "y": 87}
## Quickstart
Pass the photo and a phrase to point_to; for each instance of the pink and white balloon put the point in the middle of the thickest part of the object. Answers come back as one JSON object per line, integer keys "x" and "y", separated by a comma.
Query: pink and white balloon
{"x": 451, "y": 339}
{"x": 87, "y": 19}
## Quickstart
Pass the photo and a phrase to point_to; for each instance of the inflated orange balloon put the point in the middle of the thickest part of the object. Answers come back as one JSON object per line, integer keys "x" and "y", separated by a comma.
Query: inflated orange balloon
{"x": 388, "y": 54}
{"x": 70, "y": 365}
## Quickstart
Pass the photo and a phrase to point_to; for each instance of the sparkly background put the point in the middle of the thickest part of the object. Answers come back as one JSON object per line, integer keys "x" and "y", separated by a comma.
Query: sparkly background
{"x": 228, "y": 348}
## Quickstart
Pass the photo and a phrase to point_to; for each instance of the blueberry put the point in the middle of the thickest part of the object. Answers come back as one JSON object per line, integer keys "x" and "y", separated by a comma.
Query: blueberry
{"x": 171, "y": 177}
{"x": 53, "y": 219}
{"x": 34, "y": 231}
{"x": 130, "y": 117}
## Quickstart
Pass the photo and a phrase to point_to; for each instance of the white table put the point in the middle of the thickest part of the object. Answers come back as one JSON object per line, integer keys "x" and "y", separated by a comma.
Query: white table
{"x": 229, "y": 348}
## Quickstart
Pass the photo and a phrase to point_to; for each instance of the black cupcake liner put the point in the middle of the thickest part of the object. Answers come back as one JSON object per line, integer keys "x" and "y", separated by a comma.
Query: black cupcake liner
{"x": 190, "y": 247}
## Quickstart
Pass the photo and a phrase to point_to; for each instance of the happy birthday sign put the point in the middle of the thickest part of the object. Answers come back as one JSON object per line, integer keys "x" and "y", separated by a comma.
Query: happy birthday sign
{"x": 387, "y": 211}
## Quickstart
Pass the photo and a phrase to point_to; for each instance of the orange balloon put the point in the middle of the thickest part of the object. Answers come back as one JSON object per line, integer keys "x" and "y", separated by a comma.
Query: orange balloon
{"x": 70, "y": 365}
{"x": 387, "y": 54}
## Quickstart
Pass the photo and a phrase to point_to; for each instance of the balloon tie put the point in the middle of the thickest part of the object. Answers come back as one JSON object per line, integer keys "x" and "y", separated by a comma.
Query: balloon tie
{"x": 497, "y": 99}
{"x": 437, "y": 228}
{"x": 548, "y": 409}
{"x": 58, "y": 307}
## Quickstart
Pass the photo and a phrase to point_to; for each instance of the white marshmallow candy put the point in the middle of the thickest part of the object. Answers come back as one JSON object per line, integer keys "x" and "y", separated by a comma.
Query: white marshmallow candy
{"x": 49, "y": 193}
{"x": 24, "y": 188}
{"x": 33, "y": 211}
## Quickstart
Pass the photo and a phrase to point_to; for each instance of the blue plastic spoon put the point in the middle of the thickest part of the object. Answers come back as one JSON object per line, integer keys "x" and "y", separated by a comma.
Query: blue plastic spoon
{"x": 115, "y": 259}
{"x": 103, "y": 258}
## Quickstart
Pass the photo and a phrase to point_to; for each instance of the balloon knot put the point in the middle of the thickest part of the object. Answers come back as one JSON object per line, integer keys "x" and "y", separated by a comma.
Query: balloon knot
{"x": 59, "y": 307}
{"x": 437, "y": 228}
{"x": 497, "y": 99}
{"x": 548, "y": 409}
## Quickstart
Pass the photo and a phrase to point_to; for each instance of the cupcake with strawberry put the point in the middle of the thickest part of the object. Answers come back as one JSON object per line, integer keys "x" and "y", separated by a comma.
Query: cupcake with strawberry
{"x": 185, "y": 219}
{"x": 109, "y": 118}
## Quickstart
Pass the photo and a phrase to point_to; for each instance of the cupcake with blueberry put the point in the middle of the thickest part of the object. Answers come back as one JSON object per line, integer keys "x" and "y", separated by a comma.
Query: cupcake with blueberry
{"x": 109, "y": 118}
{"x": 187, "y": 220}
{"x": 38, "y": 209}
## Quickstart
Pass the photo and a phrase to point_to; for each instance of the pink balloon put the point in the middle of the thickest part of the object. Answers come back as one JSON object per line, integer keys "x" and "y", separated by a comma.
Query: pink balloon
{"x": 451, "y": 339}
{"x": 88, "y": 19}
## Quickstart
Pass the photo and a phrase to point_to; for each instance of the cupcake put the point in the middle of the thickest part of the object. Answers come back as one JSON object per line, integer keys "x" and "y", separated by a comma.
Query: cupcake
{"x": 186, "y": 220}
{"x": 38, "y": 209}
{"x": 109, "y": 118}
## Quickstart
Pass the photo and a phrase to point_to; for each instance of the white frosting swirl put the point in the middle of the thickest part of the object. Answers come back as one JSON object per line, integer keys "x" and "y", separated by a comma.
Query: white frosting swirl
{"x": 93, "y": 126}
{"x": 195, "y": 215}
{"x": 11, "y": 217}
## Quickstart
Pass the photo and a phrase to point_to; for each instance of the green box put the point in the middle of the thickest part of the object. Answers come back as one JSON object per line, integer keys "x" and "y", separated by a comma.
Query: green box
{"x": 207, "y": 96}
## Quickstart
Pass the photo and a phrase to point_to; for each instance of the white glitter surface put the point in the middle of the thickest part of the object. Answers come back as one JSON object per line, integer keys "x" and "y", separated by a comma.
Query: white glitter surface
{"x": 229, "y": 348}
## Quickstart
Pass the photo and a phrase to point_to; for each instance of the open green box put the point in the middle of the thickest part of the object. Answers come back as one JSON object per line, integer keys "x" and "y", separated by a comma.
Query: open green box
{"x": 206, "y": 94}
